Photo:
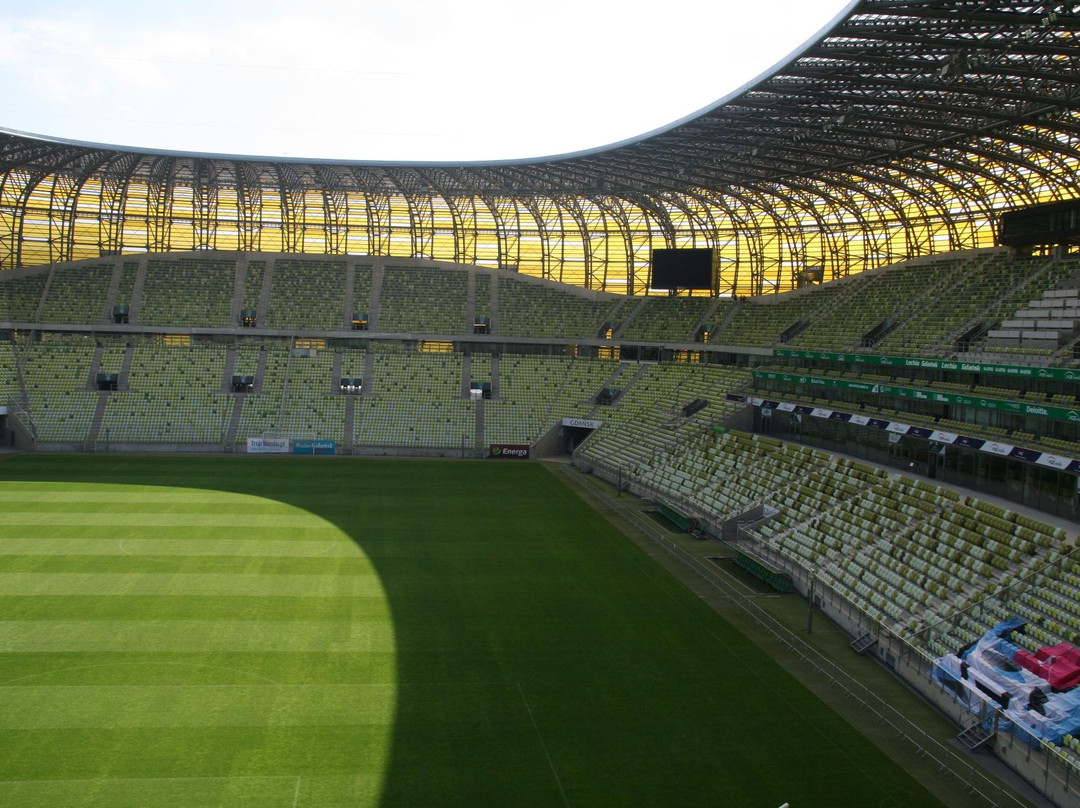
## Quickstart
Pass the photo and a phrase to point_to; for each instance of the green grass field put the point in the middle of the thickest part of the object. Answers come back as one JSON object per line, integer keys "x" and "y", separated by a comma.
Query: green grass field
{"x": 301, "y": 632}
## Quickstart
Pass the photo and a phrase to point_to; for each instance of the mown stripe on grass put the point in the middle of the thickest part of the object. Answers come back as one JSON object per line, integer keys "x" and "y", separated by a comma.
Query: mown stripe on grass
{"x": 236, "y": 705}
{"x": 314, "y": 531}
{"x": 18, "y": 636}
{"x": 270, "y": 791}
{"x": 208, "y": 668}
{"x": 182, "y": 752}
{"x": 14, "y": 491}
{"x": 10, "y": 492}
{"x": 263, "y": 548}
{"x": 168, "y": 607}
{"x": 154, "y": 519}
{"x": 191, "y": 584}
{"x": 240, "y": 791}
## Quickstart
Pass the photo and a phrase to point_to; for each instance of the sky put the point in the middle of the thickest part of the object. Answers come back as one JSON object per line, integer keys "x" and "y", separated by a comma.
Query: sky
{"x": 404, "y": 80}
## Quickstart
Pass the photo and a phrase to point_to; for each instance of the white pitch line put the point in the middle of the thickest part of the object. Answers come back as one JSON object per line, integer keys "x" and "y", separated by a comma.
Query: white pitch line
{"x": 296, "y": 796}
{"x": 543, "y": 746}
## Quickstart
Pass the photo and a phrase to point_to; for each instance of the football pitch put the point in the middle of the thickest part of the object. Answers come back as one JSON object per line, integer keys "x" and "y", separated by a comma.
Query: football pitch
{"x": 315, "y": 632}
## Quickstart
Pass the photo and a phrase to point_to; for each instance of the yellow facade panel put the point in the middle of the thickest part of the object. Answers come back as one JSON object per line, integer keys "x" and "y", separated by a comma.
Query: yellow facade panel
{"x": 762, "y": 240}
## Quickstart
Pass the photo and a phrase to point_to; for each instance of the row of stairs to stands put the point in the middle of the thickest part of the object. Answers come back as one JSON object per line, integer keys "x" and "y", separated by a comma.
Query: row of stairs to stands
{"x": 976, "y": 736}
{"x": 975, "y": 331}
{"x": 863, "y": 643}
{"x": 1046, "y": 323}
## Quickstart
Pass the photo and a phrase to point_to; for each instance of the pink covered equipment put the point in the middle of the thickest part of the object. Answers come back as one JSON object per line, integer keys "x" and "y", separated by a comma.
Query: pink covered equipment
{"x": 1057, "y": 664}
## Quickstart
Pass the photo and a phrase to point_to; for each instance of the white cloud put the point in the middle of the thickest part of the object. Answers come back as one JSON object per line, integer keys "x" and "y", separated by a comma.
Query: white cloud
{"x": 409, "y": 80}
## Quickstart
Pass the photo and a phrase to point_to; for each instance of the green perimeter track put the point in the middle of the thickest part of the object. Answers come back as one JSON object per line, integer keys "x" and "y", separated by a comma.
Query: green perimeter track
{"x": 302, "y": 632}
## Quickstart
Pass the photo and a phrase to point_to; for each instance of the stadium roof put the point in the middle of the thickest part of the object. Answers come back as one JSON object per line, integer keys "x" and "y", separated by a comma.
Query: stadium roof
{"x": 945, "y": 111}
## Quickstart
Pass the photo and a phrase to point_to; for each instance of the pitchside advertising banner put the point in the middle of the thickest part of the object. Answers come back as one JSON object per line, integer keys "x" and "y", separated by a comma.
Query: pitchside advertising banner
{"x": 267, "y": 445}
{"x": 319, "y": 447}
{"x": 898, "y": 429}
{"x": 509, "y": 451}
{"x": 1019, "y": 371}
{"x": 282, "y": 446}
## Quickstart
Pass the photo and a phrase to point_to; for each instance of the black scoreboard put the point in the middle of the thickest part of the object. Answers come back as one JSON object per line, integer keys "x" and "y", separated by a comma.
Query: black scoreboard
{"x": 682, "y": 269}
{"x": 1047, "y": 225}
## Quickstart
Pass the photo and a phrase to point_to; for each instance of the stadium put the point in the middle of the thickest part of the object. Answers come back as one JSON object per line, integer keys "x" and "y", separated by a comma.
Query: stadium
{"x": 802, "y": 369}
